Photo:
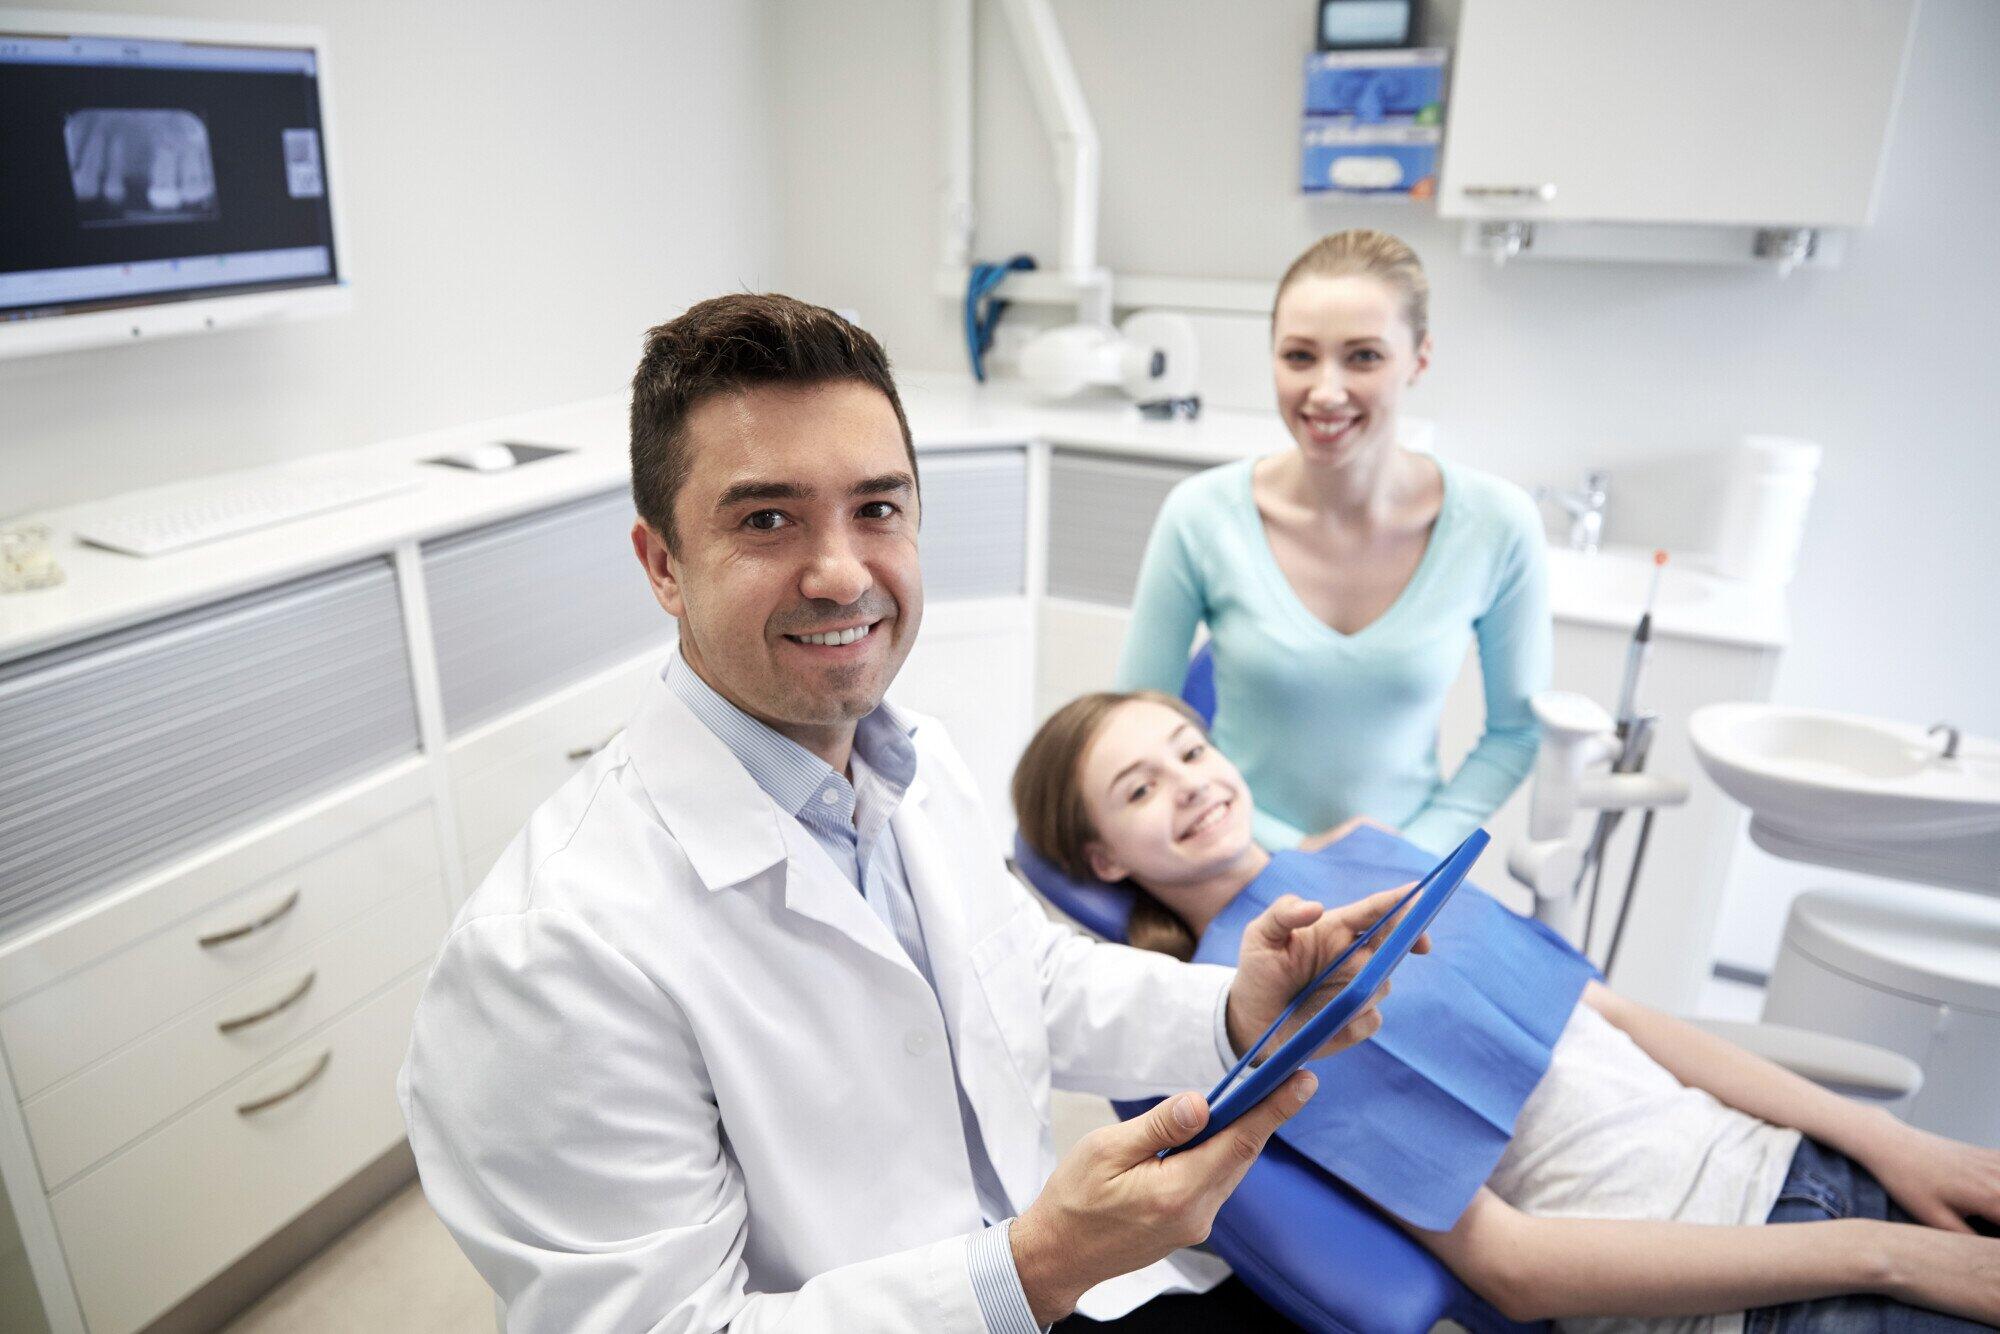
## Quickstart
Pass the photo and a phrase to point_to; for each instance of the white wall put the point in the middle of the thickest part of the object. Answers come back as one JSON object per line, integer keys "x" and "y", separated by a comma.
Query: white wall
{"x": 1542, "y": 369}
{"x": 526, "y": 188}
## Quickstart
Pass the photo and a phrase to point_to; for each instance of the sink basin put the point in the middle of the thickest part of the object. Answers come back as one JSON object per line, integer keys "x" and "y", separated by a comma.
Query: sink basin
{"x": 1857, "y": 793}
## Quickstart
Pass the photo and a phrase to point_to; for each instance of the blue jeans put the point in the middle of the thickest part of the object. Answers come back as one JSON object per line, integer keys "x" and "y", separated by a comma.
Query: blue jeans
{"x": 1825, "y": 1184}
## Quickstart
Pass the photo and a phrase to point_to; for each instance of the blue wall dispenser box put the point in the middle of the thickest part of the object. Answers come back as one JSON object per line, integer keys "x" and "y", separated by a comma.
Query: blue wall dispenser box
{"x": 1339, "y": 157}
{"x": 1377, "y": 87}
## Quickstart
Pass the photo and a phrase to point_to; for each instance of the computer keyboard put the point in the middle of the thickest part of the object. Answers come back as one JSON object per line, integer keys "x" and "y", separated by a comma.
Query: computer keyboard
{"x": 188, "y": 514}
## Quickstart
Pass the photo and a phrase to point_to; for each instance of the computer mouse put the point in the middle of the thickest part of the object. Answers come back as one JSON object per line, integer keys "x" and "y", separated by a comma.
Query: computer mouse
{"x": 489, "y": 457}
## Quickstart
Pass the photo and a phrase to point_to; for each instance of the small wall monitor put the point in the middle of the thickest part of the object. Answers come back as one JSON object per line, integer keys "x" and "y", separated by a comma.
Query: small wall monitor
{"x": 160, "y": 178}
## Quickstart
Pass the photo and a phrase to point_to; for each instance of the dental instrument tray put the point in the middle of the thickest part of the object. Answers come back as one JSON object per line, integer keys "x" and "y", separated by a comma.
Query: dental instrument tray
{"x": 1425, "y": 899}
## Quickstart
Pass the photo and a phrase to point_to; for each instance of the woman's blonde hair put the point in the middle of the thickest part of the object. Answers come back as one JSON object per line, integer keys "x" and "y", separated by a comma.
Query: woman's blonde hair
{"x": 1049, "y": 806}
{"x": 1377, "y": 255}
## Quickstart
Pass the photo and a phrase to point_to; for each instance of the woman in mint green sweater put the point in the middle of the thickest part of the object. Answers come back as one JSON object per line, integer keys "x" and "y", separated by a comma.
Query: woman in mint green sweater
{"x": 1342, "y": 580}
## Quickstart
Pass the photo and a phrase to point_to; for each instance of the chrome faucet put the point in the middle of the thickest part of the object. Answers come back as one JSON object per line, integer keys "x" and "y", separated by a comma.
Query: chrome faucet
{"x": 1950, "y": 739}
{"x": 1585, "y": 509}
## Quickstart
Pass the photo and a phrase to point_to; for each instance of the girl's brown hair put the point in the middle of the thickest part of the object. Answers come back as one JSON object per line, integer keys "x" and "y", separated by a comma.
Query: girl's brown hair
{"x": 1048, "y": 805}
{"x": 1377, "y": 255}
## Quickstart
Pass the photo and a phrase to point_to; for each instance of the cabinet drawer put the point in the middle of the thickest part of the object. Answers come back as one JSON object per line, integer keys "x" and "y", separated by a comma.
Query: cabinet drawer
{"x": 500, "y": 773}
{"x": 526, "y": 606}
{"x": 120, "y": 753}
{"x": 1101, "y": 512}
{"x": 975, "y": 524}
{"x": 150, "y": 1225}
{"x": 63, "y": 1027}
{"x": 84, "y": 1118}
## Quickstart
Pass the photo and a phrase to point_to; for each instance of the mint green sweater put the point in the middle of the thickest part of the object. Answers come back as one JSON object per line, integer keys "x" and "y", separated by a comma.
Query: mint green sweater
{"x": 1325, "y": 725}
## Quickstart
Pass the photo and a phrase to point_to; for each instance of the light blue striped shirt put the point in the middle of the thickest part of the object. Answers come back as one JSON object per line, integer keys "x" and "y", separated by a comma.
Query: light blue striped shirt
{"x": 851, "y": 822}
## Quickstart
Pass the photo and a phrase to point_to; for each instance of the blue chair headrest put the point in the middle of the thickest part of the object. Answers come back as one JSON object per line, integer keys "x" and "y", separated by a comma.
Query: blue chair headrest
{"x": 1198, "y": 687}
{"x": 1105, "y": 910}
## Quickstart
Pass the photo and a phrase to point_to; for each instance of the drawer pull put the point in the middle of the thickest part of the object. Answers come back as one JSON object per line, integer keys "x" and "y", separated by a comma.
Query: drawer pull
{"x": 238, "y": 932}
{"x": 319, "y": 1068}
{"x": 585, "y": 752}
{"x": 1542, "y": 193}
{"x": 298, "y": 994}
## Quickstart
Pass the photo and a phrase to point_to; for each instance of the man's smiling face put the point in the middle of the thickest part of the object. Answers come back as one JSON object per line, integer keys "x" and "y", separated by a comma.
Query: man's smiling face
{"x": 796, "y": 583}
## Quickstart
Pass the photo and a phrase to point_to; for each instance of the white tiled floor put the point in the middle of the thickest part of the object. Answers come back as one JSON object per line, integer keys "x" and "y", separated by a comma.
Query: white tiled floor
{"x": 399, "y": 1270}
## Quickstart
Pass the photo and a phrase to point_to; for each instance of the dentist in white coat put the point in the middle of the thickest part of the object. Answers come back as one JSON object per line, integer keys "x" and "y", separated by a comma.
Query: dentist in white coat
{"x": 750, "y": 1028}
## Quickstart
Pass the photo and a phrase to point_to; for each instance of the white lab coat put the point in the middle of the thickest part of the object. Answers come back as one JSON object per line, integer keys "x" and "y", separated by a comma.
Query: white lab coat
{"x": 670, "y": 1071}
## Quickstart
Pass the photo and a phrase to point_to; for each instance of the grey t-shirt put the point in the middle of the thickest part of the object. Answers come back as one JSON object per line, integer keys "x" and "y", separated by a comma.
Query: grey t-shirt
{"x": 1609, "y": 1133}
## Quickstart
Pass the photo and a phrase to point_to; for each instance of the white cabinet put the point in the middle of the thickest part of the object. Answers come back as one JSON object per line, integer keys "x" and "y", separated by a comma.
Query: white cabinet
{"x": 503, "y": 769}
{"x": 1737, "y": 112}
{"x": 142, "y": 1028}
{"x": 140, "y": 1231}
{"x": 973, "y": 670}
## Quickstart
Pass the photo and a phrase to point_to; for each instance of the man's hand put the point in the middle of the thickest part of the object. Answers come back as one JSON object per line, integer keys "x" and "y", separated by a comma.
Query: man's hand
{"x": 1328, "y": 837}
{"x": 1112, "y": 1205}
{"x": 1286, "y": 947}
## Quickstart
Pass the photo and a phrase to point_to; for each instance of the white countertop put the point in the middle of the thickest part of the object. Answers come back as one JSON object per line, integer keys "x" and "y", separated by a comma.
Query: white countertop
{"x": 106, "y": 589}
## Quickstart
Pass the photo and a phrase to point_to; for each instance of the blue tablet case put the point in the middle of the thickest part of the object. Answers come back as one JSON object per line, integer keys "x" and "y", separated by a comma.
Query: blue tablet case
{"x": 1230, "y": 1099}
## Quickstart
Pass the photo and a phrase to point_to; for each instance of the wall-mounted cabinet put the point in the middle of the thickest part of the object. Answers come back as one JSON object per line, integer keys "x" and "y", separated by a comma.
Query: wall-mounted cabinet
{"x": 1758, "y": 113}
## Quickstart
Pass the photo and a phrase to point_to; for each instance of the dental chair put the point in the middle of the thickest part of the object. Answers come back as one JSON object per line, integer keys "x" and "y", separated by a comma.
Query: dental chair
{"x": 1311, "y": 1247}
{"x": 1303, "y": 1240}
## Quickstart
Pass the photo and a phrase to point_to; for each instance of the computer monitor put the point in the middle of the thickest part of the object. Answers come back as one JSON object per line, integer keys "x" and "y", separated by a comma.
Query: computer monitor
{"x": 161, "y": 177}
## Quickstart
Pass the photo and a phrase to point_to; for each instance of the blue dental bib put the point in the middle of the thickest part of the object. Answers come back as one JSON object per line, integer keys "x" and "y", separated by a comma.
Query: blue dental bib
{"x": 1416, "y": 1117}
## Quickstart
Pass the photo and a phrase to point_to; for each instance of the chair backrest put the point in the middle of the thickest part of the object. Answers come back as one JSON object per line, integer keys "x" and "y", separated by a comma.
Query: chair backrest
{"x": 1101, "y": 909}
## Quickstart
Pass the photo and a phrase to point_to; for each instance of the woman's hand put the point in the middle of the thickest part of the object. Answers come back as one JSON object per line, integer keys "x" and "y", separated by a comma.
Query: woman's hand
{"x": 1328, "y": 837}
{"x": 1286, "y": 947}
{"x": 1939, "y": 1181}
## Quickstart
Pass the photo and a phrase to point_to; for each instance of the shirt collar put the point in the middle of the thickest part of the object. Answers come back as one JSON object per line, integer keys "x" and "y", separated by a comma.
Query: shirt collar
{"x": 790, "y": 774}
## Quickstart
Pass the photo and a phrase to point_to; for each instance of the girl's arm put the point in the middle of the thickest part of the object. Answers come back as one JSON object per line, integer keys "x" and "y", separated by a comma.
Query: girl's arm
{"x": 1549, "y": 1268}
{"x": 1939, "y": 1181}
{"x": 1514, "y": 635}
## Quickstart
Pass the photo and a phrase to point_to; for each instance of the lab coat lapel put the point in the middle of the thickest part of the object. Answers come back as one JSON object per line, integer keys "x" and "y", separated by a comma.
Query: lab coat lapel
{"x": 731, "y": 830}
{"x": 816, "y": 888}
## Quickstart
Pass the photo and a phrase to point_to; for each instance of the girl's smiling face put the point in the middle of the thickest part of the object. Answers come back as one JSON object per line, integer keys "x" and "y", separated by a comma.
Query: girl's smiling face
{"x": 1168, "y": 809}
{"x": 1342, "y": 353}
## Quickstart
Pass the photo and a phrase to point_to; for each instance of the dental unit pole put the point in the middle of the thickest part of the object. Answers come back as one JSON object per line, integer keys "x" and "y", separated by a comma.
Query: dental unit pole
{"x": 1635, "y": 736}
{"x": 1590, "y": 760}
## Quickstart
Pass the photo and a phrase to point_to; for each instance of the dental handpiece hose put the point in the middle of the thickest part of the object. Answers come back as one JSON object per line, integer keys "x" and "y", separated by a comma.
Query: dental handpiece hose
{"x": 1635, "y": 666}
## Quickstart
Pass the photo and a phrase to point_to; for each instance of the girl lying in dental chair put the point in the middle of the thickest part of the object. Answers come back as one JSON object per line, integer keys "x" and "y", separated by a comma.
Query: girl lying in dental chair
{"x": 1566, "y": 1152}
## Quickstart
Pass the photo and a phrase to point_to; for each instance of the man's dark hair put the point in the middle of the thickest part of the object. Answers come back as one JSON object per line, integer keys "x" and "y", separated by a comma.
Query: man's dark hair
{"x": 726, "y": 345}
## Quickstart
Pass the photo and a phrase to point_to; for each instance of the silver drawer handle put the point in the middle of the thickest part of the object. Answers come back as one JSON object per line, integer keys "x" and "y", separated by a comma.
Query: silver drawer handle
{"x": 585, "y": 752}
{"x": 319, "y": 1068}
{"x": 298, "y": 993}
{"x": 238, "y": 932}
{"x": 1544, "y": 192}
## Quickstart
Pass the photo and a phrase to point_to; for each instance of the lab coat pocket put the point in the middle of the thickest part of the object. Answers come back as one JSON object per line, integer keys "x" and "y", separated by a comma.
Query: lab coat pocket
{"x": 1004, "y": 963}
